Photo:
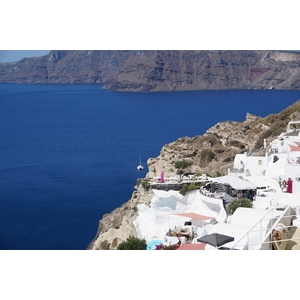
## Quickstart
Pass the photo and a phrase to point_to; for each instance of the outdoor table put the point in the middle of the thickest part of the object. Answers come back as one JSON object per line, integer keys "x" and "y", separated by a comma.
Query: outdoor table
{"x": 180, "y": 233}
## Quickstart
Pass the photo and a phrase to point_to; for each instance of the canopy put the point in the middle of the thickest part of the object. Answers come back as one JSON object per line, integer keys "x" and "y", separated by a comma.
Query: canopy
{"x": 238, "y": 231}
{"x": 194, "y": 216}
{"x": 294, "y": 148}
{"x": 192, "y": 247}
{"x": 236, "y": 183}
{"x": 216, "y": 239}
{"x": 259, "y": 181}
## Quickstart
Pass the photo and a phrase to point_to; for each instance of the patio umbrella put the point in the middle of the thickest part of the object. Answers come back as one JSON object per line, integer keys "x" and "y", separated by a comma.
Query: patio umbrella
{"x": 215, "y": 239}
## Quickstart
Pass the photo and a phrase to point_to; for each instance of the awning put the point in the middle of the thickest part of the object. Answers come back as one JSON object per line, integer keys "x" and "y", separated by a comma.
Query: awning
{"x": 236, "y": 183}
{"x": 259, "y": 181}
{"x": 294, "y": 148}
{"x": 194, "y": 216}
{"x": 192, "y": 247}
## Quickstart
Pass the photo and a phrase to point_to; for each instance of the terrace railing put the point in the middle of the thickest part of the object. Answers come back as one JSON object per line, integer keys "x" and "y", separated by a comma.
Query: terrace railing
{"x": 268, "y": 231}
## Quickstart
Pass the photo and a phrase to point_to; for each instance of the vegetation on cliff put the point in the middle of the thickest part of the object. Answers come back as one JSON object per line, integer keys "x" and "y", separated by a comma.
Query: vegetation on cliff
{"x": 216, "y": 149}
{"x": 133, "y": 243}
{"x": 224, "y": 140}
{"x": 276, "y": 123}
{"x": 182, "y": 164}
{"x": 188, "y": 188}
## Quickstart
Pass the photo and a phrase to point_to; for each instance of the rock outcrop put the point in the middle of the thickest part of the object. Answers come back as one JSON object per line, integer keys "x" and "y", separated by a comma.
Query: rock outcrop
{"x": 144, "y": 71}
{"x": 76, "y": 66}
{"x": 208, "y": 70}
{"x": 210, "y": 153}
{"x": 216, "y": 149}
{"x": 117, "y": 226}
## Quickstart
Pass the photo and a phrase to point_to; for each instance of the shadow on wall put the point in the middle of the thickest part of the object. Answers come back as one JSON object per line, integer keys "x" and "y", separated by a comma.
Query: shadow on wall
{"x": 170, "y": 202}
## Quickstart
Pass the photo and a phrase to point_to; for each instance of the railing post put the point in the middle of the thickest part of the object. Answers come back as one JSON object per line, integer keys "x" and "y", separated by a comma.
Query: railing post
{"x": 261, "y": 240}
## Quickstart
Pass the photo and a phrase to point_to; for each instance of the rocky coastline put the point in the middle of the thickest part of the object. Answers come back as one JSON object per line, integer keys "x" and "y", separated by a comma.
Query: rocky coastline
{"x": 117, "y": 226}
{"x": 222, "y": 142}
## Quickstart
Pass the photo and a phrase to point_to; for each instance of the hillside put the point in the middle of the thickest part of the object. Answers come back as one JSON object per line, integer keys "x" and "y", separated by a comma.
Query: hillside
{"x": 213, "y": 152}
{"x": 75, "y": 66}
{"x": 164, "y": 70}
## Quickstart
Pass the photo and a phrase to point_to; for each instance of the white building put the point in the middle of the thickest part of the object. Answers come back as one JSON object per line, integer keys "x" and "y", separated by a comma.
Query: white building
{"x": 264, "y": 172}
{"x": 267, "y": 168}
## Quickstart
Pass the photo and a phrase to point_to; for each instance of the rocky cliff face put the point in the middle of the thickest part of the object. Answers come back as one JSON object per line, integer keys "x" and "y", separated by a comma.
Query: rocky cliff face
{"x": 172, "y": 70}
{"x": 216, "y": 149}
{"x": 66, "y": 67}
{"x": 117, "y": 226}
{"x": 208, "y": 70}
{"x": 212, "y": 152}
{"x": 219, "y": 144}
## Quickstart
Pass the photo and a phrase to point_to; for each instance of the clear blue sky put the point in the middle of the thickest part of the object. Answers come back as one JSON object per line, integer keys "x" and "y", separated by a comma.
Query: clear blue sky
{"x": 16, "y": 55}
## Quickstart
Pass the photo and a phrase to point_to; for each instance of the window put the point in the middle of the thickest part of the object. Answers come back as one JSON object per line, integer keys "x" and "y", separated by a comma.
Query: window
{"x": 260, "y": 162}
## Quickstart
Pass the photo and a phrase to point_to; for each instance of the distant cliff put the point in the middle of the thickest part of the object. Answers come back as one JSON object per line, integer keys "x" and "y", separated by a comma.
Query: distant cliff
{"x": 74, "y": 66}
{"x": 165, "y": 70}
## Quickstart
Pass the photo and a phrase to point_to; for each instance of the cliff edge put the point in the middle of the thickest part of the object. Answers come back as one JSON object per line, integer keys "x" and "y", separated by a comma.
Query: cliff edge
{"x": 213, "y": 152}
{"x": 161, "y": 70}
{"x": 117, "y": 226}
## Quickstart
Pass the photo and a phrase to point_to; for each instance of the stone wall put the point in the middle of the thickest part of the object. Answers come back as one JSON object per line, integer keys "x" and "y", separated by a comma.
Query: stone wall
{"x": 172, "y": 186}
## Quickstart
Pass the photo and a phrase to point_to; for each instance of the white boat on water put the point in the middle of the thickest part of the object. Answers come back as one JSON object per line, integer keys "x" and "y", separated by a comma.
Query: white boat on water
{"x": 140, "y": 167}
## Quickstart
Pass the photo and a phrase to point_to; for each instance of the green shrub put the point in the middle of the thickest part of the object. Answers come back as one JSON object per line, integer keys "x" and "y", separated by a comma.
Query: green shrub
{"x": 243, "y": 202}
{"x": 133, "y": 243}
{"x": 182, "y": 164}
{"x": 188, "y": 188}
{"x": 218, "y": 174}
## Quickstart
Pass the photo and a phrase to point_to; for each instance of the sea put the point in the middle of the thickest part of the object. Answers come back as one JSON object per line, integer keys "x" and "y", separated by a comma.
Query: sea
{"x": 69, "y": 152}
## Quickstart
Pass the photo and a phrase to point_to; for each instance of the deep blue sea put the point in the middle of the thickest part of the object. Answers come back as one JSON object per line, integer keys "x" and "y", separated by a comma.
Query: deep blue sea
{"x": 68, "y": 153}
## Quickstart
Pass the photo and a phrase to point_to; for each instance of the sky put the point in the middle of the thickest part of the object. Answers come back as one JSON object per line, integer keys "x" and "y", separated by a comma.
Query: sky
{"x": 16, "y": 55}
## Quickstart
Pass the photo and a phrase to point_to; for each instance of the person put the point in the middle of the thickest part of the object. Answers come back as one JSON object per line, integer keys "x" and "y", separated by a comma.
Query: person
{"x": 294, "y": 128}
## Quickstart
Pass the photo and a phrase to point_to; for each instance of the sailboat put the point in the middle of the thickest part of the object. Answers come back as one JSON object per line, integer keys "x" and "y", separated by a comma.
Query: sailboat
{"x": 140, "y": 167}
